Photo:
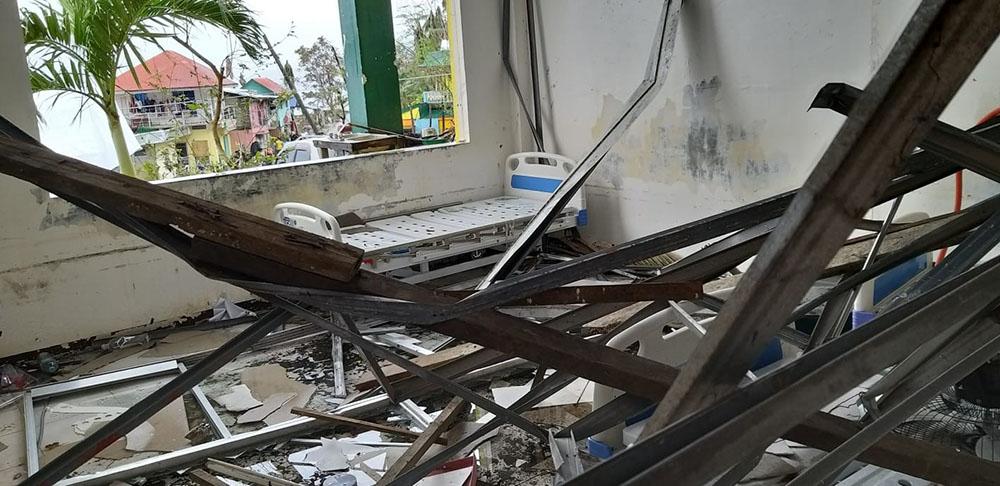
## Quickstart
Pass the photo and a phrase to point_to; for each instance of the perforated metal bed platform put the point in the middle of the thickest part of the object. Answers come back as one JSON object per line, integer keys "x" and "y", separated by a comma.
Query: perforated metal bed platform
{"x": 414, "y": 240}
{"x": 403, "y": 241}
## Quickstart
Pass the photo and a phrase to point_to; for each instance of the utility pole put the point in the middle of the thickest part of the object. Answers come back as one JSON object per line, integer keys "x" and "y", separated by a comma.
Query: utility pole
{"x": 291, "y": 85}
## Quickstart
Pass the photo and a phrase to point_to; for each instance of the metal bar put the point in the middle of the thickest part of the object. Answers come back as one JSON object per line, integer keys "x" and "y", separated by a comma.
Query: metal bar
{"x": 590, "y": 294}
{"x": 656, "y": 72}
{"x": 838, "y": 308}
{"x": 883, "y": 125}
{"x": 974, "y": 347}
{"x": 419, "y": 418}
{"x": 605, "y": 417}
{"x": 973, "y": 152}
{"x": 705, "y": 443}
{"x": 964, "y": 221}
{"x": 876, "y": 245}
{"x": 420, "y": 446}
{"x": 214, "y": 420}
{"x": 546, "y": 388}
{"x": 502, "y": 332}
{"x": 359, "y": 424}
{"x": 831, "y": 317}
{"x": 268, "y": 435}
{"x": 739, "y": 246}
{"x": 30, "y": 433}
{"x": 149, "y": 406}
{"x": 536, "y": 133}
{"x": 337, "y": 355}
{"x": 105, "y": 379}
{"x": 536, "y": 98}
{"x": 370, "y": 360}
{"x": 975, "y": 247}
{"x": 448, "y": 385}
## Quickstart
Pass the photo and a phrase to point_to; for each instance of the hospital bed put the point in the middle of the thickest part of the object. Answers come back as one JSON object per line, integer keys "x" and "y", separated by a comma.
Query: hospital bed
{"x": 406, "y": 245}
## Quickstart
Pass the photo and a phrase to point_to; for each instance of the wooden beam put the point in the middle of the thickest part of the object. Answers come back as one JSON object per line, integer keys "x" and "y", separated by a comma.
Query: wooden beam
{"x": 420, "y": 446}
{"x": 897, "y": 452}
{"x": 935, "y": 54}
{"x": 214, "y": 222}
{"x": 244, "y": 474}
{"x": 489, "y": 328}
{"x": 359, "y": 424}
{"x": 431, "y": 361}
{"x": 204, "y": 478}
{"x": 539, "y": 344}
{"x": 592, "y": 294}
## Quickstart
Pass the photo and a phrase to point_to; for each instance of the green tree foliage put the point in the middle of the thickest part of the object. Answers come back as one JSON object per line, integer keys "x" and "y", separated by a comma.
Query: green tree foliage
{"x": 322, "y": 69}
{"x": 423, "y": 65}
{"x": 78, "y": 46}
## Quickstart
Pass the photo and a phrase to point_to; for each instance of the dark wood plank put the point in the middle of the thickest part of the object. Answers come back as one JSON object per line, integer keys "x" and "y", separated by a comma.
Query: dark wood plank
{"x": 592, "y": 294}
{"x": 244, "y": 474}
{"x": 933, "y": 57}
{"x": 430, "y": 361}
{"x": 897, "y": 452}
{"x": 420, "y": 446}
{"x": 204, "y": 478}
{"x": 359, "y": 424}
{"x": 213, "y": 222}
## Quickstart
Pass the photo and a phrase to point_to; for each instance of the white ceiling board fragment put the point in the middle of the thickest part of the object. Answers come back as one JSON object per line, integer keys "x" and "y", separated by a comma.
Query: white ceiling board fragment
{"x": 239, "y": 399}
{"x": 271, "y": 403}
{"x": 269, "y": 379}
{"x": 167, "y": 430}
{"x": 329, "y": 456}
{"x": 450, "y": 478}
{"x": 578, "y": 391}
{"x": 138, "y": 439}
{"x": 505, "y": 396}
{"x": 284, "y": 413}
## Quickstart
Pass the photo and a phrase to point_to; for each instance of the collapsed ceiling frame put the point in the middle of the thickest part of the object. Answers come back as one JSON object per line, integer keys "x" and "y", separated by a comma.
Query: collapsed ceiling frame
{"x": 691, "y": 436}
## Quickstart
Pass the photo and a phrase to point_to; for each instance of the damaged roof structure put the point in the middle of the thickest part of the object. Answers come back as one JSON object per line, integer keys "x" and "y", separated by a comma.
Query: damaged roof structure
{"x": 710, "y": 418}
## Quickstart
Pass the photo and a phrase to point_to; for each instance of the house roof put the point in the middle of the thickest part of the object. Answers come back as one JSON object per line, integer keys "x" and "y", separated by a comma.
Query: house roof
{"x": 168, "y": 70}
{"x": 270, "y": 84}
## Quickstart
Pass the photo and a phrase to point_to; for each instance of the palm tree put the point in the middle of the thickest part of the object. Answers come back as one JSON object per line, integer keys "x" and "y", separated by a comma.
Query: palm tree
{"x": 80, "y": 45}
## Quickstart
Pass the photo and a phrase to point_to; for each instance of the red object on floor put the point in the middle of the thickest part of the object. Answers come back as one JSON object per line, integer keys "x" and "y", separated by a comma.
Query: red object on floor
{"x": 468, "y": 462}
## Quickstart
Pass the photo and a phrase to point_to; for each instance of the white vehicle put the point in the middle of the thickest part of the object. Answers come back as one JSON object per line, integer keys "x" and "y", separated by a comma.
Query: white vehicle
{"x": 303, "y": 149}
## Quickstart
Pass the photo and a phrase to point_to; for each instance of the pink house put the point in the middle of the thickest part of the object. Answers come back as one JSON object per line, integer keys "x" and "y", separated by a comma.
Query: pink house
{"x": 254, "y": 119}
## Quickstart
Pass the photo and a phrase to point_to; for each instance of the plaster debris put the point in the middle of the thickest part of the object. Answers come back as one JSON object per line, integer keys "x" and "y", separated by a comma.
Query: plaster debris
{"x": 238, "y": 400}
{"x": 140, "y": 437}
{"x": 455, "y": 473}
{"x": 225, "y": 310}
{"x": 328, "y": 457}
{"x": 271, "y": 379}
{"x": 269, "y": 406}
{"x": 578, "y": 391}
{"x": 163, "y": 432}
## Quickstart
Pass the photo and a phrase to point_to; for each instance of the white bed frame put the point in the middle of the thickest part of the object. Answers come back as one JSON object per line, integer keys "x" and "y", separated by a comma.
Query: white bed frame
{"x": 396, "y": 244}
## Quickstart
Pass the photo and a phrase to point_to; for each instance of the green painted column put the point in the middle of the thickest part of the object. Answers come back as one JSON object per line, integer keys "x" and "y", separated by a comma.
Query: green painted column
{"x": 370, "y": 64}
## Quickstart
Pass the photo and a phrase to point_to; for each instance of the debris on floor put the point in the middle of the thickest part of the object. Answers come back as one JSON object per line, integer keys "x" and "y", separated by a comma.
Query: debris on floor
{"x": 345, "y": 429}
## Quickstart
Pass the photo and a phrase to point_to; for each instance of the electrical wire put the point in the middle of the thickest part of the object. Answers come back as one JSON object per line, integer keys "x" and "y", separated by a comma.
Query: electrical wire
{"x": 959, "y": 183}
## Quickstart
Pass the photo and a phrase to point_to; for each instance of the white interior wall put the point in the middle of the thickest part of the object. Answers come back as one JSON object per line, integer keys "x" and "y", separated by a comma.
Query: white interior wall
{"x": 730, "y": 125}
{"x": 65, "y": 275}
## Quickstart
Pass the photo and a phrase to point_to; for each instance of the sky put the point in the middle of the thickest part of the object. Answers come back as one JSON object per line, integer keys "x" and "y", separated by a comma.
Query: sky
{"x": 288, "y": 23}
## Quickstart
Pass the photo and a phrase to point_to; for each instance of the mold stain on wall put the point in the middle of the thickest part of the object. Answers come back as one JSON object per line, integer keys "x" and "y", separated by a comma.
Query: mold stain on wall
{"x": 692, "y": 144}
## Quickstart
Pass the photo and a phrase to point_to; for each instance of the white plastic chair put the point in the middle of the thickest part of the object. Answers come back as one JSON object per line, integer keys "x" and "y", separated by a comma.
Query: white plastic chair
{"x": 308, "y": 218}
{"x": 673, "y": 348}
